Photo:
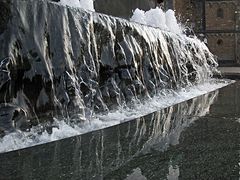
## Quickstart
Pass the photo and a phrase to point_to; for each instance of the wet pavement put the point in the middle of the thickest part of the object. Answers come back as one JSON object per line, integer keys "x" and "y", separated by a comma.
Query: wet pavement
{"x": 197, "y": 139}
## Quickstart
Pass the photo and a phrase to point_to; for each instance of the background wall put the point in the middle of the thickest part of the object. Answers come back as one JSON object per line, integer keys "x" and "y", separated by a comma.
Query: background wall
{"x": 218, "y": 21}
{"x": 221, "y": 21}
{"x": 122, "y": 8}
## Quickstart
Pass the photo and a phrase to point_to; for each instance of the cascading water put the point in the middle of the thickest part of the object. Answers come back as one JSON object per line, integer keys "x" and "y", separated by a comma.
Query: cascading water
{"x": 158, "y": 18}
{"x": 84, "y": 4}
{"x": 66, "y": 63}
{"x": 100, "y": 153}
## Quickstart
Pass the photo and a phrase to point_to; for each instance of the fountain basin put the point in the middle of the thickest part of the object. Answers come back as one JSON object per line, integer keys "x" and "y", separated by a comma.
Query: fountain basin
{"x": 198, "y": 138}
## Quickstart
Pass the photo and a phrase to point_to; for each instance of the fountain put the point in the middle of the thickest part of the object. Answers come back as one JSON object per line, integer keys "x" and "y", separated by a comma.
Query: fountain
{"x": 98, "y": 154}
{"x": 67, "y": 63}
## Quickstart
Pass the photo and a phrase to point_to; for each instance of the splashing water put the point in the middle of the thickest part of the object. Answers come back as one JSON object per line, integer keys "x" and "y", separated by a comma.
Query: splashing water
{"x": 138, "y": 16}
{"x": 84, "y": 4}
{"x": 87, "y": 4}
{"x": 172, "y": 23}
{"x": 165, "y": 98}
{"x": 72, "y": 3}
{"x": 157, "y": 18}
{"x": 88, "y": 71}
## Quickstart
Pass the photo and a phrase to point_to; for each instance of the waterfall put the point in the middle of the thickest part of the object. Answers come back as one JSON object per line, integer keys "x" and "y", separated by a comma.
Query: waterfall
{"x": 100, "y": 153}
{"x": 63, "y": 62}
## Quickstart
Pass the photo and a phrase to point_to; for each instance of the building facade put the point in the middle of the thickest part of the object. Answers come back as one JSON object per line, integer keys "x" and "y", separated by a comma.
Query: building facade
{"x": 222, "y": 30}
{"x": 218, "y": 21}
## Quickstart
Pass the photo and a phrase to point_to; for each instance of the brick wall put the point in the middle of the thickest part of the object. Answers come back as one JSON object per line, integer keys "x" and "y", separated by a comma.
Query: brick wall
{"x": 221, "y": 18}
{"x": 217, "y": 20}
{"x": 190, "y": 13}
{"x": 222, "y": 45}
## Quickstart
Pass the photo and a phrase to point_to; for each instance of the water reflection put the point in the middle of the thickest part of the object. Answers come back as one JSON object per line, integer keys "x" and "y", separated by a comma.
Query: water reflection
{"x": 136, "y": 175}
{"x": 173, "y": 173}
{"x": 163, "y": 145}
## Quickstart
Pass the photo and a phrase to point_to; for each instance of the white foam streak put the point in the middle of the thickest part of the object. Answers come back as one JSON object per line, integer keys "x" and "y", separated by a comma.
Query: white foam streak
{"x": 157, "y": 18}
{"x": 138, "y": 16}
{"x": 87, "y": 4}
{"x": 165, "y": 98}
{"x": 172, "y": 23}
{"x": 84, "y": 4}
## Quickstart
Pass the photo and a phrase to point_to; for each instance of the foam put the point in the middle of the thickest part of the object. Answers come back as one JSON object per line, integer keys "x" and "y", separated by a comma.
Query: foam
{"x": 158, "y": 18}
{"x": 84, "y": 4}
{"x": 163, "y": 99}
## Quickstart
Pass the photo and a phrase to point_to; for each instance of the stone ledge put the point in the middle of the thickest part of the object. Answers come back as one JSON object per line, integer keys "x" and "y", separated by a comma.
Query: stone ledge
{"x": 230, "y": 72}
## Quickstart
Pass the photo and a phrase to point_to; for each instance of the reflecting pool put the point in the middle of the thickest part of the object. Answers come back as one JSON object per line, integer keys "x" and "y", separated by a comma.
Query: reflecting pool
{"x": 196, "y": 139}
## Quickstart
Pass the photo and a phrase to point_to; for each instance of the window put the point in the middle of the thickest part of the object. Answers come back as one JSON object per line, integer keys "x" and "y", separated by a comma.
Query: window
{"x": 219, "y": 42}
{"x": 220, "y": 13}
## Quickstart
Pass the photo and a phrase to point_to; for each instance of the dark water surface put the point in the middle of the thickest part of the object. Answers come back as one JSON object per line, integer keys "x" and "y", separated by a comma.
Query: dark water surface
{"x": 197, "y": 139}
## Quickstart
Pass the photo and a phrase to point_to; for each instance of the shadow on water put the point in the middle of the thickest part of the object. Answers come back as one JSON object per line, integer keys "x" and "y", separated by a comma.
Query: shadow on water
{"x": 197, "y": 139}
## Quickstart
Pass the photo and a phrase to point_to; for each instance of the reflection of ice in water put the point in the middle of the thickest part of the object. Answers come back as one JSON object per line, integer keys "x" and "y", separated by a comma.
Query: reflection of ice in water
{"x": 173, "y": 173}
{"x": 136, "y": 175}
